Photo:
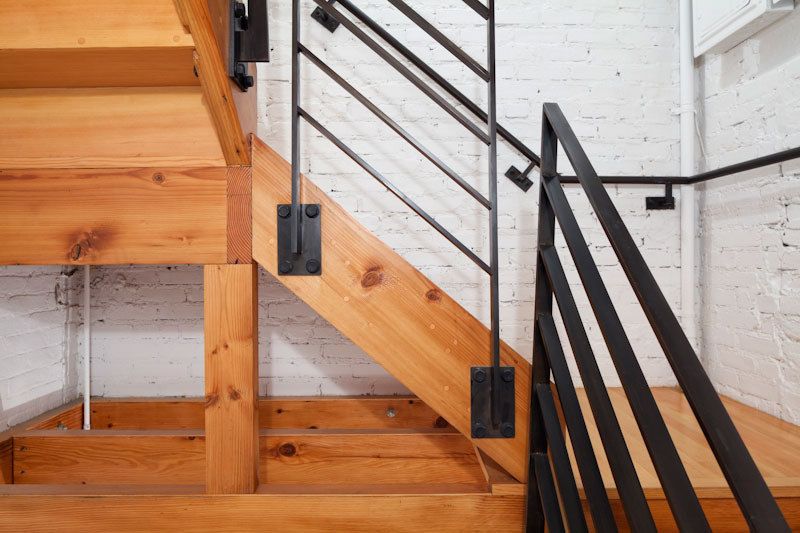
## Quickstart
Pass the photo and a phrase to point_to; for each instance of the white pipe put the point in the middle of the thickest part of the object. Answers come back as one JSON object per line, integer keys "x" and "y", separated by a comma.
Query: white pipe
{"x": 688, "y": 207}
{"x": 87, "y": 351}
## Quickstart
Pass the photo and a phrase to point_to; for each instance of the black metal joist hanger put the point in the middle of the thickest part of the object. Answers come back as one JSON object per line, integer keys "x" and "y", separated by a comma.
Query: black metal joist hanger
{"x": 249, "y": 39}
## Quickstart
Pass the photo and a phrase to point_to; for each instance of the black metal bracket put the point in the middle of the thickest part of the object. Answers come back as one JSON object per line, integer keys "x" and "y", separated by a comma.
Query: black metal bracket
{"x": 482, "y": 378}
{"x": 661, "y": 202}
{"x": 249, "y": 40}
{"x": 519, "y": 178}
{"x": 323, "y": 18}
{"x": 309, "y": 261}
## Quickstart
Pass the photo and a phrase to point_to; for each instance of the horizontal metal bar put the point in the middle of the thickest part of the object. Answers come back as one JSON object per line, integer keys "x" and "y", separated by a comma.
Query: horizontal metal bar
{"x": 592, "y": 480}
{"x": 619, "y": 458}
{"x": 437, "y": 78}
{"x": 630, "y": 180}
{"x": 441, "y": 38}
{"x": 570, "y": 500}
{"x": 748, "y": 486}
{"x": 402, "y": 69}
{"x": 671, "y": 473}
{"x": 478, "y": 7}
{"x": 744, "y": 166}
{"x": 395, "y": 127}
{"x": 547, "y": 492}
{"x": 394, "y": 190}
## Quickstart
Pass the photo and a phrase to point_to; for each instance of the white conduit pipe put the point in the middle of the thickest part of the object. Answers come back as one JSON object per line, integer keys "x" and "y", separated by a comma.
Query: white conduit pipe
{"x": 688, "y": 207}
{"x": 87, "y": 349}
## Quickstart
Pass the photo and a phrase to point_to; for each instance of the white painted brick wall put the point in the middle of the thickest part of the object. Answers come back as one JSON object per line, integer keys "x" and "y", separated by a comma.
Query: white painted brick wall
{"x": 750, "y": 223}
{"x": 37, "y": 363}
{"x": 611, "y": 64}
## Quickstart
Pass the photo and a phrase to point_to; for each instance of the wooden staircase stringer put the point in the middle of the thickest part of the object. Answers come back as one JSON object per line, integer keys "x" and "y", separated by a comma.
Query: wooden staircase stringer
{"x": 388, "y": 308}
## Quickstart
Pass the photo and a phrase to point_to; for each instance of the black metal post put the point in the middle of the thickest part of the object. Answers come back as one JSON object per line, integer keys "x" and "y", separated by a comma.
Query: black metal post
{"x": 296, "y": 232}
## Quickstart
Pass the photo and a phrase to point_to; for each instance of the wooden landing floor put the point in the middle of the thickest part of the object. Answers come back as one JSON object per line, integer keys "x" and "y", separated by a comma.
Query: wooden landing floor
{"x": 774, "y": 444}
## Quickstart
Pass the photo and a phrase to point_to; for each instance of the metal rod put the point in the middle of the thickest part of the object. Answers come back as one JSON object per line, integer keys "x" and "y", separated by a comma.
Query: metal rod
{"x": 442, "y": 39}
{"x": 478, "y": 7}
{"x": 570, "y": 500}
{"x": 395, "y": 127}
{"x": 394, "y": 190}
{"x": 473, "y": 108}
{"x": 619, "y": 458}
{"x": 592, "y": 480}
{"x": 402, "y": 69}
{"x": 494, "y": 261}
{"x": 676, "y": 484}
{"x": 297, "y": 232}
{"x": 748, "y": 486}
{"x": 547, "y": 493}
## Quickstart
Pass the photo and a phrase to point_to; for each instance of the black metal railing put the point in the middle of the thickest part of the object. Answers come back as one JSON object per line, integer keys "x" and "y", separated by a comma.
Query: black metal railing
{"x": 500, "y": 418}
{"x": 545, "y": 507}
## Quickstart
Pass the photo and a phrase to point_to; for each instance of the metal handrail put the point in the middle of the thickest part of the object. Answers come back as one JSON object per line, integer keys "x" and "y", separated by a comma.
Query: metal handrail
{"x": 748, "y": 486}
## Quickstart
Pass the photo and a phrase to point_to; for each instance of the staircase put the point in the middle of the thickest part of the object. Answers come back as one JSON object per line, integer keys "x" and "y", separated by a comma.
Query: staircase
{"x": 153, "y": 159}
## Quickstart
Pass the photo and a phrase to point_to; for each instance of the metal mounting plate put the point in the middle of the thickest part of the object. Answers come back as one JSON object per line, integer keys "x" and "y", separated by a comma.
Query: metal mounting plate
{"x": 659, "y": 202}
{"x": 309, "y": 261}
{"x": 481, "y": 379}
{"x": 519, "y": 178}
{"x": 326, "y": 20}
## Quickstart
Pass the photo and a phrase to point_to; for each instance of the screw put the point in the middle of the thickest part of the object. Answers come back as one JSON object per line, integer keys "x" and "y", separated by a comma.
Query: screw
{"x": 22, "y": 448}
{"x": 249, "y": 81}
{"x": 507, "y": 430}
{"x": 285, "y": 267}
{"x": 284, "y": 211}
{"x": 478, "y": 430}
{"x": 312, "y": 266}
{"x": 391, "y": 413}
{"x": 479, "y": 375}
{"x": 312, "y": 210}
{"x": 508, "y": 375}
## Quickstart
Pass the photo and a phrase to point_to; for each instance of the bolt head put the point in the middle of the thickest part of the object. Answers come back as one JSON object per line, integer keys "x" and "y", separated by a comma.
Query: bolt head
{"x": 479, "y": 375}
{"x": 312, "y": 210}
{"x": 284, "y": 211}
{"x": 391, "y": 413}
{"x": 508, "y": 375}
{"x": 478, "y": 430}
{"x": 249, "y": 81}
{"x": 239, "y": 9}
{"x": 312, "y": 266}
{"x": 507, "y": 430}
{"x": 285, "y": 267}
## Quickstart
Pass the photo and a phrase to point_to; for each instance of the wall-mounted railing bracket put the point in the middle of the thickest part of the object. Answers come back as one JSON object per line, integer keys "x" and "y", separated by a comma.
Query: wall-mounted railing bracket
{"x": 661, "y": 202}
{"x": 249, "y": 40}
{"x": 482, "y": 380}
{"x": 519, "y": 177}
{"x": 326, "y": 20}
{"x": 309, "y": 261}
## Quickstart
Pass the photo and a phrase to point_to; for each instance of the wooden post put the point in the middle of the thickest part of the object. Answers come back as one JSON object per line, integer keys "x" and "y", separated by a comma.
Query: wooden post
{"x": 231, "y": 365}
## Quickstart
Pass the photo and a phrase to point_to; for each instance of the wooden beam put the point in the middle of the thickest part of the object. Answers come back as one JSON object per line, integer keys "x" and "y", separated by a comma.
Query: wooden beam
{"x": 208, "y": 61}
{"x": 106, "y": 128}
{"x": 359, "y": 412}
{"x": 446, "y": 513}
{"x": 240, "y": 219}
{"x": 287, "y": 457}
{"x": 231, "y": 366}
{"x": 383, "y": 304}
{"x": 124, "y": 216}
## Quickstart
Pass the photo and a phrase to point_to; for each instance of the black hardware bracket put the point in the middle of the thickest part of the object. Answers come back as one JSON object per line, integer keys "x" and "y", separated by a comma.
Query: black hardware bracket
{"x": 520, "y": 178}
{"x": 249, "y": 40}
{"x": 309, "y": 261}
{"x": 661, "y": 202}
{"x": 323, "y": 18}
{"x": 482, "y": 378}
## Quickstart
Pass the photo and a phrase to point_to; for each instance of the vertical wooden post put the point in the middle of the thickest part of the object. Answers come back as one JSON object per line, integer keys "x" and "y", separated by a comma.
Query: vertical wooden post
{"x": 231, "y": 365}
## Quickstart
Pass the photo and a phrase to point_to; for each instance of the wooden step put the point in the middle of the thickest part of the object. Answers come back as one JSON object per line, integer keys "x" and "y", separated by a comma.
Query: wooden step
{"x": 93, "y": 43}
{"x": 389, "y": 309}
